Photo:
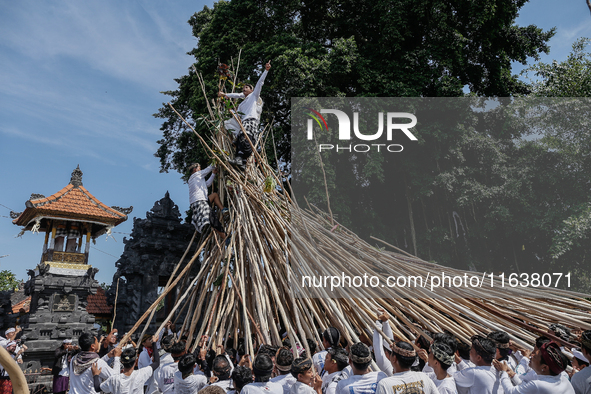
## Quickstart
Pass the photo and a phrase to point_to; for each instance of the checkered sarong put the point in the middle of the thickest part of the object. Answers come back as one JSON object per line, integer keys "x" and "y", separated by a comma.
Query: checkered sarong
{"x": 251, "y": 126}
{"x": 200, "y": 216}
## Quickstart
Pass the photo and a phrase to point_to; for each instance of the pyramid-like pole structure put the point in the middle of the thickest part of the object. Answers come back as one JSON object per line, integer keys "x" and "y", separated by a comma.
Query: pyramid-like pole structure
{"x": 246, "y": 288}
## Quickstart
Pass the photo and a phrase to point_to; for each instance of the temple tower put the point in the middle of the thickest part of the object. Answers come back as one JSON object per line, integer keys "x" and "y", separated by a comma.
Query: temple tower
{"x": 63, "y": 279}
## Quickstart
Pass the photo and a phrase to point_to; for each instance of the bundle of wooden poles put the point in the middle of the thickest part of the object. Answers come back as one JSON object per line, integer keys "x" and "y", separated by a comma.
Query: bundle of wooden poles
{"x": 251, "y": 286}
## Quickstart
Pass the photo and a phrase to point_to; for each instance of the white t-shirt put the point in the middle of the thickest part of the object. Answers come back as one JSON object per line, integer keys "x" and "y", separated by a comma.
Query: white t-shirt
{"x": 478, "y": 380}
{"x": 262, "y": 388}
{"x": 190, "y": 385}
{"x": 330, "y": 382}
{"x": 198, "y": 186}
{"x": 318, "y": 360}
{"x": 407, "y": 382}
{"x": 300, "y": 388}
{"x": 543, "y": 385}
{"x": 251, "y": 107}
{"x": 581, "y": 381}
{"x": 360, "y": 384}
{"x": 444, "y": 386}
{"x": 84, "y": 383}
{"x": 453, "y": 368}
{"x": 164, "y": 377}
{"x": 165, "y": 359}
{"x": 123, "y": 384}
{"x": 286, "y": 381}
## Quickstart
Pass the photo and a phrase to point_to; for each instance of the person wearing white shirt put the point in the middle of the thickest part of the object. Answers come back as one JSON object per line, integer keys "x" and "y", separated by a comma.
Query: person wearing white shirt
{"x": 185, "y": 380}
{"x": 402, "y": 356}
{"x": 129, "y": 381}
{"x": 362, "y": 381}
{"x": 502, "y": 342}
{"x": 439, "y": 359}
{"x": 308, "y": 382}
{"x": 548, "y": 363}
{"x": 249, "y": 111}
{"x": 581, "y": 381}
{"x": 200, "y": 201}
{"x": 81, "y": 377}
{"x": 336, "y": 361}
{"x": 262, "y": 369}
{"x": 164, "y": 376}
{"x": 481, "y": 379}
{"x": 221, "y": 370}
{"x": 330, "y": 337}
{"x": 283, "y": 361}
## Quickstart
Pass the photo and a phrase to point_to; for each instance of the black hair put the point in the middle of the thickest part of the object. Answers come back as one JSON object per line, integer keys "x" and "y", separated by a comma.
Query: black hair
{"x": 187, "y": 363}
{"x": 487, "y": 349}
{"x": 301, "y": 365}
{"x": 560, "y": 331}
{"x": 262, "y": 368}
{"x": 541, "y": 341}
{"x": 241, "y": 377}
{"x": 585, "y": 341}
{"x": 284, "y": 357}
{"x": 177, "y": 350}
{"x": 446, "y": 338}
{"x": 231, "y": 353}
{"x": 360, "y": 350}
{"x": 286, "y": 342}
{"x": 405, "y": 361}
{"x": 422, "y": 341}
{"x": 128, "y": 357}
{"x": 340, "y": 356}
{"x": 464, "y": 350}
{"x": 221, "y": 367}
{"x": 332, "y": 336}
{"x": 166, "y": 342}
{"x": 311, "y": 345}
{"x": 268, "y": 350}
{"x": 500, "y": 337}
{"x": 86, "y": 340}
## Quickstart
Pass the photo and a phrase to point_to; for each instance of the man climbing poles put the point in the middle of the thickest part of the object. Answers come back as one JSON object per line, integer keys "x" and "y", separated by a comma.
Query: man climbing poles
{"x": 249, "y": 112}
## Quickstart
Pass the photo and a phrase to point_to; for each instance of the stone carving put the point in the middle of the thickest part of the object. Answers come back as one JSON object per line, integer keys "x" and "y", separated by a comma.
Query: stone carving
{"x": 125, "y": 211}
{"x": 76, "y": 179}
{"x": 36, "y": 196}
{"x": 14, "y": 215}
{"x": 156, "y": 245}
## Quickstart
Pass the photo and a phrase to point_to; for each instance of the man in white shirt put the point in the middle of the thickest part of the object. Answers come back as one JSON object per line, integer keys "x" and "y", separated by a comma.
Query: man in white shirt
{"x": 262, "y": 369}
{"x": 185, "y": 380}
{"x": 549, "y": 363}
{"x": 439, "y": 360}
{"x": 581, "y": 381}
{"x": 330, "y": 337}
{"x": 250, "y": 109}
{"x": 200, "y": 201}
{"x": 164, "y": 376}
{"x": 336, "y": 361}
{"x": 363, "y": 381}
{"x": 502, "y": 342}
{"x": 283, "y": 362}
{"x": 221, "y": 369}
{"x": 481, "y": 379}
{"x": 402, "y": 356}
{"x": 379, "y": 346}
{"x": 81, "y": 378}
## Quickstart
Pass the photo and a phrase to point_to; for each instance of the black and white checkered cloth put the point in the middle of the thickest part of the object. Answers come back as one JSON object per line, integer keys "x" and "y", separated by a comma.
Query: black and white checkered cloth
{"x": 200, "y": 216}
{"x": 251, "y": 126}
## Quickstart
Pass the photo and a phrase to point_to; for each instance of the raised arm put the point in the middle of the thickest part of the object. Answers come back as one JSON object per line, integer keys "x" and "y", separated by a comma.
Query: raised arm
{"x": 261, "y": 81}
{"x": 156, "y": 354}
{"x": 211, "y": 178}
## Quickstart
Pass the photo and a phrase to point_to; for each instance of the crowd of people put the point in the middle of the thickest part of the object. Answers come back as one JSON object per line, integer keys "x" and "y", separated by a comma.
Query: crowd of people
{"x": 431, "y": 363}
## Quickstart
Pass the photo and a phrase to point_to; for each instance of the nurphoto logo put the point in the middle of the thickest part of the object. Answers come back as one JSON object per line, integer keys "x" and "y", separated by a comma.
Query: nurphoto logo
{"x": 392, "y": 125}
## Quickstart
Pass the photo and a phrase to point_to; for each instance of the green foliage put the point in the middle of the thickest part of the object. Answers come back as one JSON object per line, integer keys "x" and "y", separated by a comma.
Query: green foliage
{"x": 393, "y": 48}
{"x": 8, "y": 281}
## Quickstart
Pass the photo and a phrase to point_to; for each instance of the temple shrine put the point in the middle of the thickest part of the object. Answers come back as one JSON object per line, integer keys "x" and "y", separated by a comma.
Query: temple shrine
{"x": 60, "y": 284}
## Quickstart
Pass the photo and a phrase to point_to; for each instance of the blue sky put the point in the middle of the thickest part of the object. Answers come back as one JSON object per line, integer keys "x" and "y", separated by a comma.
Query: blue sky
{"x": 79, "y": 82}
